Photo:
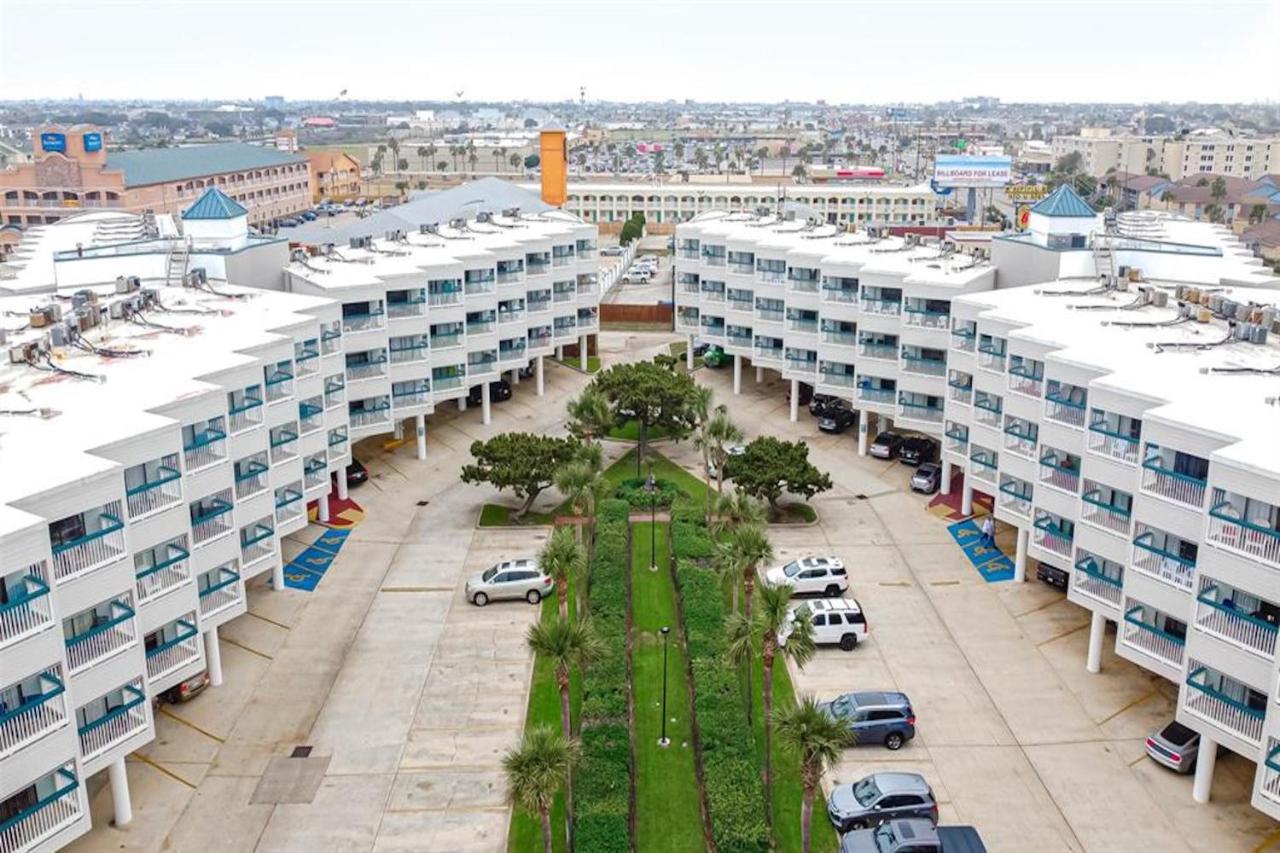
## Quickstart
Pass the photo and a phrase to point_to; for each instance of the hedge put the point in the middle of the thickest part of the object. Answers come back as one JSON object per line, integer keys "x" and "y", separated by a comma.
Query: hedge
{"x": 602, "y": 790}
{"x": 730, "y": 764}
{"x": 632, "y": 490}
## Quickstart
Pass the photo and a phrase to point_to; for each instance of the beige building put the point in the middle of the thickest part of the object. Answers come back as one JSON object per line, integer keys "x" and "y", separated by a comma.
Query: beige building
{"x": 1198, "y": 153}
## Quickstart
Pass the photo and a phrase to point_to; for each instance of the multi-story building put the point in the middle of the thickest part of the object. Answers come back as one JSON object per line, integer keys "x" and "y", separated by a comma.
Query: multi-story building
{"x": 335, "y": 175}
{"x": 429, "y": 314}
{"x": 1194, "y": 154}
{"x": 1131, "y": 433}
{"x": 73, "y": 169}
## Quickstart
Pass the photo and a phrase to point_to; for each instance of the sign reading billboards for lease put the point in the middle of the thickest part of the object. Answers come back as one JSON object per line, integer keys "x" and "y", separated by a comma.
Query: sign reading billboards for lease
{"x": 977, "y": 172}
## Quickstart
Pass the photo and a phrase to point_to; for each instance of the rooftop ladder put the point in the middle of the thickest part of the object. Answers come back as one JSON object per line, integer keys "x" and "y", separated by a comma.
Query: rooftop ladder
{"x": 176, "y": 268}
{"x": 1104, "y": 261}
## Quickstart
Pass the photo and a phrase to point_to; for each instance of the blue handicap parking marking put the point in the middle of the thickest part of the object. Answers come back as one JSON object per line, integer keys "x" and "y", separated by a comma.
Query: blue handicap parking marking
{"x": 331, "y": 541}
{"x": 306, "y": 569}
{"x": 295, "y": 578}
{"x": 992, "y": 563}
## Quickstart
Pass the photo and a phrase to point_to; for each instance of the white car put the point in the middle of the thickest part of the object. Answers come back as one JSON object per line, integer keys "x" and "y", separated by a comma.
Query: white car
{"x": 730, "y": 451}
{"x": 836, "y": 622}
{"x": 814, "y": 575}
{"x": 510, "y": 579}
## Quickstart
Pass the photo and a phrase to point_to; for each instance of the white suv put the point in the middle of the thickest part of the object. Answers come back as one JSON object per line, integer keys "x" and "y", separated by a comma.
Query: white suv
{"x": 836, "y": 622}
{"x": 818, "y": 575}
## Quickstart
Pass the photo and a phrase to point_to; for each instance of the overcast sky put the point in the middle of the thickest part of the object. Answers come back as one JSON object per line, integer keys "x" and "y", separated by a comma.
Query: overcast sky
{"x": 851, "y": 51}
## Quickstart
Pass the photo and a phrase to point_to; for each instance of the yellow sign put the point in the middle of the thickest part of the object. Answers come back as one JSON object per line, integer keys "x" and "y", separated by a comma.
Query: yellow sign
{"x": 1022, "y": 217}
{"x": 1025, "y": 192}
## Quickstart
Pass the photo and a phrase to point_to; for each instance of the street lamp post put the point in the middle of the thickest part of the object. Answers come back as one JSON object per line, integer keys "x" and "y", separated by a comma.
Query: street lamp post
{"x": 664, "y": 740}
{"x": 651, "y": 486}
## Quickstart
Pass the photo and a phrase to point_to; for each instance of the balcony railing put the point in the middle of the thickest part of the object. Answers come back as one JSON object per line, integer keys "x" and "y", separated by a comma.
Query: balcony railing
{"x": 307, "y": 361}
{"x": 962, "y": 393}
{"x": 1212, "y": 704}
{"x": 315, "y": 472}
{"x": 169, "y": 573}
{"x": 881, "y": 307}
{"x": 284, "y": 446}
{"x": 115, "y": 726}
{"x": 439, "y": 298}
{"x": 211, "y": 522}
{"x": 220, "y": 595}
{"x": 330, "y": 341}
{"x": 205, "y": 449}
{"x": 367, "y": 370}
{"x": 770, "y": 353}
{"x": 411, "y": 308}
{"x": 1055, "y": 473}
{"x": 370, "y": 417}
{"x": 843, "y": 379}
{"x": 957, "y": 440}
{"x": 1019, "y": 442}
{"x": 840, "y": 338}
{"x": 443, "y": 382}
{"x": 924, "y": 366}
{"x": 1090, "y": 578}
{"x": 877, "y": 395}
{"x": 338, "y": 438}
{"x": 244, "y": 416}
{"x": 802, "y": 365}
{"x": 480, "y": 327}
{"x": 538, "y": 306}
{"x": 161, "y": 492}
{"x": 362, "y": 322}
{"x": 252, "y": 480}
{"x": 741, "y": 339}
{"x": 1226, "y": 620}
{"x": 279, "y": 386}
{"x": 38, "y": 715}
{"x": 1097, "y": 511}
{"x": 175, "y": 653}
{"x": 91, "y": 550}
{"x": 919, "y": 411}
{"x": 770, "y": 315}
{"x": 1016, "y": 498}
{"x": 991, "y": 358}
{"x": 840, "y": 294}
{"x": 1051, "y": 537}
{"x": 986, "y": 412}
{"x": 925, "y": 319}
{"x": 885, "y": 352}
{"x": 983, "y": 466}
{"x": 1161, "y": 564}
{"x": 1156, "y": 642}
{"x": 104, "y": 639}
{"x": 1242, "y": 536}
{"x": 1064, "y": 411}
{"x": 27, "y": 609}
{"x": 963, "y": 339}
{"x": 1182, "y": 488}
{"x": 803, "y": 325}
{"x": 1025, "y": 381}
{"x": 1270, "y": 786}
{"x": 46, "y": 816}
{"x": 444, "y": 341}
{"x": 1113, "y": 444}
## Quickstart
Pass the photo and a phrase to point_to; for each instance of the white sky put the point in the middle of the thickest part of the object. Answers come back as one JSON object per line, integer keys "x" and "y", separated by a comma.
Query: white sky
{"x": 760, "y": 50}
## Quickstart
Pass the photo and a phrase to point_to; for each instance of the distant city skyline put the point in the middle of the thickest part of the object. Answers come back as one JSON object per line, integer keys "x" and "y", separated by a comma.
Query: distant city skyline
{"x": 872, "y": 52}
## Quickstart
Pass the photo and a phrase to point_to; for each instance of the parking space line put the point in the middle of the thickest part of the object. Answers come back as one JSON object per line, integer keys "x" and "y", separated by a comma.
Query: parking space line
{"x": 1050, "y": 603}
{"x": 417, "y": 589}
{"x": 238, "y": 645}
{"x": 1060, "y": 636}
{"x": 137, "y": 756}
{"x": 1270, "y": 841}
{"x": 190, "y": 725}
{"x": 1138, "y": 701}
{"x": 269, "y": 621}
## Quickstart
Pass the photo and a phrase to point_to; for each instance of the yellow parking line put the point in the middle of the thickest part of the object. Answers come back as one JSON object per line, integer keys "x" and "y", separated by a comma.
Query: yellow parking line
{"x": 265, "y": 619}
{"x": 416, "y": 589}
{"x": 147, "y": 761}
{"x": 238, "y": 645}
{"x": 1060, "y": 636}
{"x": 190, "y": 725}
{"x": 1270, "y": 842}
{"x": 1137, "y": 701}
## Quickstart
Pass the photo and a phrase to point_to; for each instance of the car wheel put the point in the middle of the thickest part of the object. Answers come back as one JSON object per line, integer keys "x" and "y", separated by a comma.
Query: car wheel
{"x": 893, "y": 741}
{"x": 848, "y": 642}
{"x": 856, "y": 824}
{"x": 480, "y": 599}
{"x": 831, "y": 591}
{"x": 534, "y": 596}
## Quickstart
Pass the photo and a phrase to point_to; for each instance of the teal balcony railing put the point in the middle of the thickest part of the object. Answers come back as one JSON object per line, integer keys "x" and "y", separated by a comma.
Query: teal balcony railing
{"x": 1015, "y": 496}
{"x": 870, "y": 394}
{"x": 245, "y": 415}
{"x": 1052, "y": 536}
{"x": 259, "y": 543}
{"x": 37, "y": 715}
{"x": 103, "y": 639}
{"x": 963, "y": 339}
{"x": 283, "y": 444}
{"x": 1098, "y": 511}
{"x": 28, "y": 607}
{"x": 1174, "y": 485}
{"x": 1061, "y": 408}
{"x": 46, "y": 816}
{"x": 885, "y": 352}
{"x": 1219, "y": 614}
{"x": 221, "y": 594}
{"x": 957, "y": 438}
{"x": 1119, "y": 446}
{"x": 1209, "y": 701}
{"x": 95, "y": 548}
{"x": 158, "y": 578}
{"x": 1246, "y": 537}
{"x": 162, "y": 491}
{"x": 210, "y": 521}
{"x": 278, "y": 384}
{"x": 880, "y": 306}
{"x": 337, "y": 438}
{"x": 1026, "y": 379}
{"x": 1092, "y": 578}
{"x": 204, "y": 449}
{"x": 919, "y": 411}
{"x": 120, "y": 723}
{"x": 1162, "y": 564}
{"x": 1156, "y": 642}
{"x": 991, "y": 357}
{"x": 362, "y": 322}
{"x": 923, "y": 366}
{"x": 251, "y": 479}
{"x": 1059, "y": 472}
{"x": 178, "y": 651}
{"x": 925, "y": 319}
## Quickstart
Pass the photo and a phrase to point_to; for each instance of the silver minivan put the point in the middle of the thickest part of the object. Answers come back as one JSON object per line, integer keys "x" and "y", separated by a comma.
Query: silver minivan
{"x": 510, "y": 579}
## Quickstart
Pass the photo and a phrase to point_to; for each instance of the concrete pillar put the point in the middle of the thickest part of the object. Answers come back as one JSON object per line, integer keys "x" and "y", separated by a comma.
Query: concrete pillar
{"x": 486, "y": 405}
{"x": 397, "y": 431}
{"x": 462, "y": 403}
{"x": 1206, "y": 758}
{"x": 688, "y": 353}
{"x": 119, "y": 779}
{"x": 420, "y": 430}
{"x": 737, "y": 374}
{"x": 322, "y": 507}
{"x": 539, "y": 376}
{"x": 582, "y": 353}
{"x": 888, "y": 422}
{"x": 1020, "y": 555}
{"x": 560, "y": 352}
{"x": 863, "y": 429}
{"x": 277, "y": 575}
{"x": 213, "y": 657}
{"x": 759, "y": 375}
{"x": 342, "y": 485}
{"x": 966, "y": 497}
{"x": 515, "y": 376}
{"x": 795, "y": 400}
{"x": 947, "y": 474}
{"x": 1097, "y": 633}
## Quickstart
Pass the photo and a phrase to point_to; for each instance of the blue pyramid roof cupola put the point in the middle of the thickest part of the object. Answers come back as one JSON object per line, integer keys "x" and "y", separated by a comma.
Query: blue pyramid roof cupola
{"x": 214, "y": 204}
{"x": 1063, "y": 201}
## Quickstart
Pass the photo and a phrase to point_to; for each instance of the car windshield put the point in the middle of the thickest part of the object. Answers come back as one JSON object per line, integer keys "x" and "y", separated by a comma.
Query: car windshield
{"x": 791, "y": 569}
{"x": 884, "y": 837}
{"x": 866, "y": 792}
{"x": 488, "y": 575}
{"x": 842, "y": 707}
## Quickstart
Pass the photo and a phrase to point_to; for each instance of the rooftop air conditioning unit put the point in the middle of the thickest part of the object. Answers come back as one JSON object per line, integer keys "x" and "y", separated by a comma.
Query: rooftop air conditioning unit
{"x": 127, "y": 284}
{"x": 511, "y": 213}
{"x": 484, "y": 216}
{"x": 298, "y": 256}
{"x": 458, "y": 223}
{"x": 429, "y": 228}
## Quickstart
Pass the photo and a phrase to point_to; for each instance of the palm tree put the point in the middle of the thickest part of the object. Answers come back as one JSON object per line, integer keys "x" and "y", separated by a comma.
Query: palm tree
{"x": 394, "y": 145}
{"x": 472, "y": 157}
{"x": 573, "y": 480}
{"x": 701, "y": 409}
{"x": 721, "y": 433}
{"x": 753, "y": 548}
{"x": 456, "y": 151}
{"x": 562, "y": 559}
{"x": 515, "y": 160}
{"x": 818, "y": 738}
{"x": 761, "y": 153}
{"x": 775, "y": 612}
{"x": 534, "y": 772}
{"x": 499, "y": 157}
{"x": 590, "y": 415}
{"x": 799, "y": 172}
{"x": 734, "y": 511}
{"x": 423, "y": 156}
{"x": 566, "y": 645}
{"x": 785, "y": 152}
{"x": 431, "y": 151}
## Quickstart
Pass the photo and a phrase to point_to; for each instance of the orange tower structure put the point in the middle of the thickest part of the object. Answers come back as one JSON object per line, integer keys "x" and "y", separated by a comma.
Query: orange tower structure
{"x": 553, "y": 155}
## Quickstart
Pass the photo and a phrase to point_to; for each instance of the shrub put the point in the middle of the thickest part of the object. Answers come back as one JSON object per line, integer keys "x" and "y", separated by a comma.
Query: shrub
{"x": 632, "y": 490}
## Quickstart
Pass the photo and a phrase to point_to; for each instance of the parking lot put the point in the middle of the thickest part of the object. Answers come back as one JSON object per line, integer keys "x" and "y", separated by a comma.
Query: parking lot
{"x": 657, "y": 289}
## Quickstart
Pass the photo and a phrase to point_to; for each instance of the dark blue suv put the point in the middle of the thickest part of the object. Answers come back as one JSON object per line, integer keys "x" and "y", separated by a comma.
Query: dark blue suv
{"x": 875, "y": 716}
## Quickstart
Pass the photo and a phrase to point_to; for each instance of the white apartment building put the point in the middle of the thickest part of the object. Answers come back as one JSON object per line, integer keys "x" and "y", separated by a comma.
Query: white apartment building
{"x": 883, "y": 203}
{"x": 428, "y": 315}
{"x": 1197, "y": 153}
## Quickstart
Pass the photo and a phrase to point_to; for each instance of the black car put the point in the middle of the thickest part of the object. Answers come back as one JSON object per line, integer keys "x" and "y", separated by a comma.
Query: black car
{"x": 1053, "y": 576}
{"x": 916, "y": 450}
{"x": 806, "y": 393}
{"x": 927, "y": 478}
{"x": 499, "y": 390}
{"x": 819, "y": 404}
{"x": 528, "y": 371}
{"x": 837, "y": 419}
{"x": 887, "y": 444}
{"x": 356, "y": 473}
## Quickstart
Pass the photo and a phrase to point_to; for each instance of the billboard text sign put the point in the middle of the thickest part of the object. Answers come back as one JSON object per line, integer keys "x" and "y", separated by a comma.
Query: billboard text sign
{"x": 961, "y": 171}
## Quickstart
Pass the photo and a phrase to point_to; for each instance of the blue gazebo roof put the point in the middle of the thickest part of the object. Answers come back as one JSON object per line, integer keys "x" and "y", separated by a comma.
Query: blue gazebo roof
{"x": 1063, "y": 201}
{"x": 214, "y": 204}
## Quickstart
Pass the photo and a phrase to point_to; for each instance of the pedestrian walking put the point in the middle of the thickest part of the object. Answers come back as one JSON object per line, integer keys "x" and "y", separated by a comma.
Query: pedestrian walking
{"x": 988, "y": 532}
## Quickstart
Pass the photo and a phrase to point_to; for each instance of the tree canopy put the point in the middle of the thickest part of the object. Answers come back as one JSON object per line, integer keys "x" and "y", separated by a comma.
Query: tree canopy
{"x": 652, "y": 394}
{"x": 770, "y": 466}
{"x": 520, "y": 461}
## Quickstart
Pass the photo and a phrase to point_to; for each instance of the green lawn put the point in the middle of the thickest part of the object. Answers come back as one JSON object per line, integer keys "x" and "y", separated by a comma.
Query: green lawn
{"x": 593, "y": 363}
{"x": 668, "y": 800}
{"x": 630, "y": 431}
{"x": 796, "y": 513}
{"x": 500, "y": 515}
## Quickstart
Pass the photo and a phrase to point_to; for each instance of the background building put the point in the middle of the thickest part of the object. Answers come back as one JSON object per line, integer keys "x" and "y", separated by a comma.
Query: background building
{"x": 335, "y": 175}
{"x": 1200, "y": 152}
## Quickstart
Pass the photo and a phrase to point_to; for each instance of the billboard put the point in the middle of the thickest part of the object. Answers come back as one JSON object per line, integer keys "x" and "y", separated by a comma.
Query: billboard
{"x": 92, "y": 142}
{"x": 952, "y": 170}
{"x": 53, "y": 142}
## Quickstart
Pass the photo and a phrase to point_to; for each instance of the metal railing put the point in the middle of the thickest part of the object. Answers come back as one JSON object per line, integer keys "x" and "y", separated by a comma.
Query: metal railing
{"x": 284, "y": 446}
{"x": 838, "y": 378}
{"x": 444, "y": 297}
{"x": 370, "y": 417}
{"x": 445, "y": 341}
{"x": 37, "y": 715}
{"x": 1097, "y": 511}
{"x": 924, "y": 366}
{"x": 246, "y": 415}
{"x": 963, "y": 340}
{"x": 986, "y": 413}
{"x": 1055, "y": 473}
{"x": 962, "y": 394}
{"x": 260, "y": 544}
{"x": 252, "y": 480}
{"x": 881, "y": 307}
{"x": 219, "y": 596}
{"x": 1161, "y": 564}
{"x": 412, "y": 308}
{"x": 806, "y": 365}
{"x": 839, "y": 338}
{"x": 1156, "y": 642}
{"x": 169, "y": 573}
{"x": 920, "y": 411}
{"x": 204, "y": 450}
{"x": 925, "y": 319}
{"x": 362, "y": 322}
{"x": 1064, "y": 411}
{"x": 306, "y": 362}
{"x": 279, "y": 386}
{"x": 44, "y": 817}
{"x": 175, "y": 653}
{"x": 103, "y": 639}
{"x": 885, "y": 352}
{"x": 1226, "y": 620}
{"x": 1051, "y": 537}
{"x": 27, "y": 609}
{"x": 991, "y": 359}
{"x": 1025, "y": 381}
{"x": 164, "y": 491}
{"x": 840, "y": 294}
{"x": 1113, "y": 444}
{"x": 211, "y": 523}
{"x": 91, "y": 550}
{"x": 116, "y": 725}
{"x": 1016, "y": 498}
{"x": 1243, "y": 536}
{"x": 771, "y": 315}
{"x": 1212, "y": 704}
{"x": 329, "y": 341}
{"x": 1182, "y": 488}
{"x": 1089, "y": 578}
{"x": 957, "y": 440}
{"x": 877, "y": 395}
{"x": 366, "y": 370}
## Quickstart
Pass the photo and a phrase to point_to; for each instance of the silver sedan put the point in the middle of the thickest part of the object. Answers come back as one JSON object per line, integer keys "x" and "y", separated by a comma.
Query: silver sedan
{"x": 510, "y": 579}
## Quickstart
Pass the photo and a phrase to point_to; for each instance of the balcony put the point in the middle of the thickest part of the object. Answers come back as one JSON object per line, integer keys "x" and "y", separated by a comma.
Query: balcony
{"x": 1156, "y": 642}
{"x": 90, "y": 550}
{"x": 803, "y": 325}
{"x": 883, "y": 396}
{"x": 1161, "y": 564}
{"x": 446, "y": 340}
{"x": 279, "y": 385}
{"x": 46, "y": 816}
{"x": 116, "y": 725}
{"x": 407, "y": 309}
{"x": 221, "y": 594}
{"x": 1093, "y": 579}
{"x": 315, "y": 470}
{"x": 330, "y": 341}
{"x": 991, "y": 357}
{"x": 880, "y": 307}
{"x": 162, "y": 491}
{"x": 737, "y": 336}
{"x": 1108, "y": 516}
{"x": 284, "y": 445}
{"x": 1172, "y": 485}
{"x": 1227, "y": 530}
{"x": 256, "y": 543}
{"x": 338, "y": 439}
{"x": 152, "y": 581}
{"x": 441, "y": 298}
{"x": 883, "y": 352}
{"x": 510, "y": 315}
{"x": 960, "y": 390}
{"x": 1207, "y": 700}
{"x": 1060, "y": 472}
{"x": 1020, "y": 438}
{"x": 371, "y": 369}
{"x": 770, "y": 315}
{"x": 920, "y": 411}
{"x": 840, "y": 337}
{"x": 104, "y": 639}
{"x": 983, "y": 465}
{"x": 767, "y": 352}
{"x": 307, "y": 360}
{"x": 481, "y": 327}
{"x": 802, "y": 365}
{"x": 1107, "y": 442}
{"x": 362, "y": 322}
{"x": 289, "y": 504}
{"x": 1052, "y": 536}
{"x": 251, "y": 479}
{"x": 1015, "y": 497}
{"x": 38, "y": 715}
{"x": 963, "y": 339}
{"x": 210, "y": 520}
{"x": 564, "y": 294}
{"x": 987, "y": 410}
{"x": 174, "y": 653}
{"x": 244, "y": 416}
{"x": 924, "y": 319}
{"x": 1218, "y": 613}
{"x": 1066, "y": 405}
{"x": 310, "y": 416}
{"x": 538, "y": 306}
{"x": 28, "y": 608}
{"x": 1026, "y": 379}
{"x": 923, "y": 366}
{"x": 204, "y": 449}
{"x": 843, "y": 295}
{"x": 1270, "y": 787}
{"x": 837, "y": 378}
{"x": 957, "y": 439}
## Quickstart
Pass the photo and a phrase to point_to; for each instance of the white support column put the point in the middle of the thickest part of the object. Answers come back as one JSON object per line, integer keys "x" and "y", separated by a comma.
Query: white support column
{"x": 515, "y": 376}
{"x": 947, "y": 473}
{"x": 737, "y": 374}
{"x": 966, "y": 497}
{"x": 863, "y": 429}
{"x": 759, "y": 375}
{"x": 322, "y": 505}
{"x": 688, "y": 353}
{"x": 486, "y": 405}
{"x": 1097, "y": 633}
{"x": 1206, "y": 758}
{"x": 539, "y": 376}
{"x": 560, "y": 352}
{"x": 277, "y": 574}
{"x": 1020, "y": 555}
{"x": 420, "y": 429}
{"x": 342, "y": 485}
{"x": 795, "y": 400}
{"x": 582, "y": 353}
{"x": 213, "y": 657}
{"x": 888, "y": 422}
{"x": 398, "y": 430}
{"x": 119, "y": 779}
{"x": 462, "y": 403}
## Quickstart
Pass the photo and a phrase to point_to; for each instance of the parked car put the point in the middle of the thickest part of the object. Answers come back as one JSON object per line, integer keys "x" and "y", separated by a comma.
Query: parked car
{"x": 528, "y": 371}
{"x": 913, "y": 835}
{"x": 1052, "y": 575}
{"x": 820, "y": 575}
{"x": 187, "y": 689}
{"x": 700, "y": 347}
{"x": 715, "y": 357}
{"x": 819, "y": 403}
{"x": 499, "y": 390}
{"x": 308, "y": 215}
{"x": 887, "y": 444}
{"x": 837, "y": 419}
{"x": 917, "y": 449}
{"x": 927, "y": 478}
{"x": 836, "y": 622}
{"x": 1175, "y": 746}
{"x": 510, "y": 579}
{"x": 880, "y": 797}
{"x": 875, "y": 716}
{"x": 730, "y": 451}
{"x": 611, "y": 251}
{"x": 806, "y": 393}
{"x": 357, "y": 474}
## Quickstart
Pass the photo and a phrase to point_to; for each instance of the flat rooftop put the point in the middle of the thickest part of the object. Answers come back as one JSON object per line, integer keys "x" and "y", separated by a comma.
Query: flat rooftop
{"x": 879, "y": 188}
